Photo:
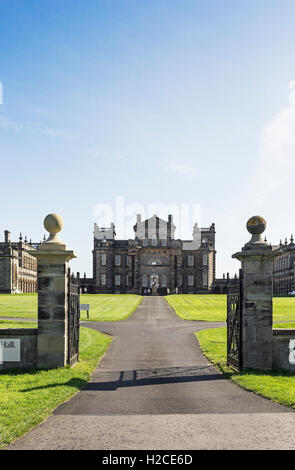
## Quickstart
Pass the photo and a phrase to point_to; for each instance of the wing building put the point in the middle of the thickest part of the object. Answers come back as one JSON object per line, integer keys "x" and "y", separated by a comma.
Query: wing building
{"x": 18, "y": 269}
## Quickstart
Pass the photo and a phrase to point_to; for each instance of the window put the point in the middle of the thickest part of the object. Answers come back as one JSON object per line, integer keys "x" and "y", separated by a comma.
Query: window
{"x": 164, "y": 281}
{"x": 117, "y": 279}
{"x": 103, "y": 259}
{"x": 190, "y": 280}
{"x": 103, "y": 279}
{"x": 164, "y": 242}
{"x": 144, "y": 280}
{"x": 190, "y": 260}
{"x": 205, "y": 259}
{"x": 205, "y": 279}
{"x": 145, "y": 242}
{"x": 154, "y": 242}
{"x": 117, "y": 260}
{"x": 126, "y": 280}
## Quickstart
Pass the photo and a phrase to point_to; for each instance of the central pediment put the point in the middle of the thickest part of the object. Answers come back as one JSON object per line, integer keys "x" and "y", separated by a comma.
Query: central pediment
{"x": 154, "y": 228}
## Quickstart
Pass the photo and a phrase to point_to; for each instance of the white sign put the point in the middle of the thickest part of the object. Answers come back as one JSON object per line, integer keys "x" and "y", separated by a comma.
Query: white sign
{"x": 9, "y": 350}
{"x": 84, "y": 306}
{"x": 292, "y": 351}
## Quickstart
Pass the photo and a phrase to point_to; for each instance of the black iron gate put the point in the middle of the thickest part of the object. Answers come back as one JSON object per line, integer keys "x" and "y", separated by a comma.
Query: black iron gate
{"x": 73, "y": 317}
{"x": 234, "y": 322}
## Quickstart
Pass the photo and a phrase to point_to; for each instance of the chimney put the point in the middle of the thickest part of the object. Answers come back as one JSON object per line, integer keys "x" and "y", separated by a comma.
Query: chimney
{"x": 6, "y": 236}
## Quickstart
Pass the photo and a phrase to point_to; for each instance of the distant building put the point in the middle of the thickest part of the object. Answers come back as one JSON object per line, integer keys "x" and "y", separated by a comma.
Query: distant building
{"x": 220, "y": 286}
{"x": 18, "y": 269}
{"x": 284, "y": 268}
{"x": 154, "y": 261}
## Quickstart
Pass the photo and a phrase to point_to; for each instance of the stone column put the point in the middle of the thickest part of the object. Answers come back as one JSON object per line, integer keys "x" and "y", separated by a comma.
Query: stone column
{"x": 257, "y": 258}
{"x": 53, "y": 258}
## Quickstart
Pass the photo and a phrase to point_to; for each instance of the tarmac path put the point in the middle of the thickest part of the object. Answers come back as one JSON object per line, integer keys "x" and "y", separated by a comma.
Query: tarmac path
{"x": 154, "y": 389}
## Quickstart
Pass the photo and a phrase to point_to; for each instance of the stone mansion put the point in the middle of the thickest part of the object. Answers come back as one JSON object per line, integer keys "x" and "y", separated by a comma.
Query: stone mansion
{"x": 154, "y": 261}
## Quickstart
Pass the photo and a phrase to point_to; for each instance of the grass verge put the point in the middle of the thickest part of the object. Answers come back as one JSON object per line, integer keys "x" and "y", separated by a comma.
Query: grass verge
{"x": 276, "y": 385}
{"x": 17, "y": 324}
{"x": 28, "y": 397}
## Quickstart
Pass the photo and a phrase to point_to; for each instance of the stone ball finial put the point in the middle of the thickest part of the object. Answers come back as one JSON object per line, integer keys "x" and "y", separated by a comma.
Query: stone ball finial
{"x": 256, "y": 225}
{"x": 53, "y": 223}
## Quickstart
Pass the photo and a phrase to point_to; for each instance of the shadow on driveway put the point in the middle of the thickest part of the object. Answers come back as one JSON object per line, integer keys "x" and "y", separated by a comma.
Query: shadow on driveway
{"x": 141, "y": 377}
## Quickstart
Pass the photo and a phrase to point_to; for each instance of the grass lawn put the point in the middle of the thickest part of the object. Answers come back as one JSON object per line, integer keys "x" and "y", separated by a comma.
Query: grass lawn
{"x": 28, "y": 397}
{"x": 278, "y": 386}
{"x": 18, "y": 305}
{"x": 109, "y": 307}
{"x": 284, "y": 308}
{"x": 209, "y": 307}
{"x": 212, "y": 307}
{"x": 115, "y": 307}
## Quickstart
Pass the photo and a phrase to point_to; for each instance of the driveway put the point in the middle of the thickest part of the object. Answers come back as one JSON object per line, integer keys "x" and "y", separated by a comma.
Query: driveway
{"x": 154, "y": 389}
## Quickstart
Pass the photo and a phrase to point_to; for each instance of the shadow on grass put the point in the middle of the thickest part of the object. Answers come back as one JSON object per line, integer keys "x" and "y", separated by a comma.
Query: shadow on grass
{"x": 229, "y": 373}
{"x": 74, "y": 382}
{"x": 15, "y": 372}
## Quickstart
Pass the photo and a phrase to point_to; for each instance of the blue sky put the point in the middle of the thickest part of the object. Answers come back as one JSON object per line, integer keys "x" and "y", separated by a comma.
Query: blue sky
{"x": 158, "y": 101}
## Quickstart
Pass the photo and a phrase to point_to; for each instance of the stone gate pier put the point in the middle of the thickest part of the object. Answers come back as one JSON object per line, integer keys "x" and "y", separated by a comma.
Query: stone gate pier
{"x": 48, "y": 345}
{"x": 251, "y": 331}
{"x": 53, "y": 258}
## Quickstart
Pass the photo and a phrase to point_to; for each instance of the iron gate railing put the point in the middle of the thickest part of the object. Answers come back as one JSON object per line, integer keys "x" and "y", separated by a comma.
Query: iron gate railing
{"x": 234, "y": 322}
{"x": 73, "y": 317}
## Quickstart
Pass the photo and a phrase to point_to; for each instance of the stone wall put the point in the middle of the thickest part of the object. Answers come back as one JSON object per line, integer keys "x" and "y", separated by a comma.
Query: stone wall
{"x": 28, "y": 347}
{"x": 281, "y": 349}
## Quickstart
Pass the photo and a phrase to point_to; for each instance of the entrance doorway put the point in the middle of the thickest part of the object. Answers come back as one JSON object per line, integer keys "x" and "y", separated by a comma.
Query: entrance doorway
{"x": 154, "y": 280}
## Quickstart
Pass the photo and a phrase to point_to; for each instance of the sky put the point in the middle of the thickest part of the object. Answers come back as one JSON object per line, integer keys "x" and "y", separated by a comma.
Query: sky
{"x": 110, "y": 107}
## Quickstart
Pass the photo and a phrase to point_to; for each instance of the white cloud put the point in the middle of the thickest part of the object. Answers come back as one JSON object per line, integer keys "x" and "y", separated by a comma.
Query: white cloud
{"x": 182, "y": 169}
{"x": 6, "y": 123}
{"x": 103, "y": 156}
{"x": 276, "y": 162}
{"x": 272, "y": 186}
